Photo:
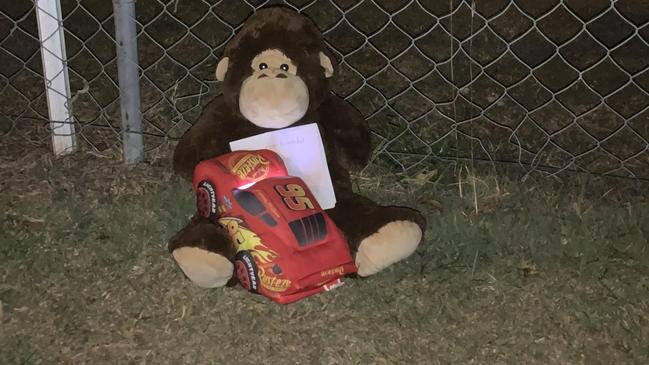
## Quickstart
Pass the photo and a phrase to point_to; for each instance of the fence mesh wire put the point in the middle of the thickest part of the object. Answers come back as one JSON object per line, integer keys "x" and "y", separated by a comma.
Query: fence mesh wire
{"x": 552, "y": 84}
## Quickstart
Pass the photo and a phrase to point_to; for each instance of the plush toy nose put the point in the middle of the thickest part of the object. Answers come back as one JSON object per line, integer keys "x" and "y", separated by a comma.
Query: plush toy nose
{"x": 273, "y": 73}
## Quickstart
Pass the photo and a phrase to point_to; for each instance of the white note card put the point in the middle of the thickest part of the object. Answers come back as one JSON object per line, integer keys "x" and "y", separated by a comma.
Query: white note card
{"x": 303, "y": 153}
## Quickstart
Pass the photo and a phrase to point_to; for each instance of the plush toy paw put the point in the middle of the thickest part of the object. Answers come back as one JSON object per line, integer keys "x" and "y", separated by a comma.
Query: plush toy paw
{"x": 392, "y": 243}
{"x": 205, "y": 269}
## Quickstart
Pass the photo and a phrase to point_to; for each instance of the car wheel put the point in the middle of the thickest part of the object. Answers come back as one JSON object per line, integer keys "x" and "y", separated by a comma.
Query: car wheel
{"x": 206, "y": 200}
{"x": 246, "y": 269}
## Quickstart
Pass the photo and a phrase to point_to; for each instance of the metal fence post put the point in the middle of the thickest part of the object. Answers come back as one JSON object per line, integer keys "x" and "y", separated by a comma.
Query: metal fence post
{"x": 55, "y": 73}
{"x": 129, "y": 84}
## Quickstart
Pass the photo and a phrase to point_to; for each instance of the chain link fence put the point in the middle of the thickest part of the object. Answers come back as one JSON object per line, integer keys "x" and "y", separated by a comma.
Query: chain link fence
{"x": 546, "y": 84}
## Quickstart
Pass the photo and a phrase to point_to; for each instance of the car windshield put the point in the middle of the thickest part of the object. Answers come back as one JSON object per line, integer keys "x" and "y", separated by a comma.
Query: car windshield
{"x": 248, "y": 201}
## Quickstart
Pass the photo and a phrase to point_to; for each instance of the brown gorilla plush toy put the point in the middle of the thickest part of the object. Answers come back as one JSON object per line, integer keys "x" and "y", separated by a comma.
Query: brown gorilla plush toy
{"x": 276, "y": 73}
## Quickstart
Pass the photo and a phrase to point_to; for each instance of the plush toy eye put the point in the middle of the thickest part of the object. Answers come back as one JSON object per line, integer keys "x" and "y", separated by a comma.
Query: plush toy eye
{"x": 284, "y": 67}
{"x": 263, "y": 66}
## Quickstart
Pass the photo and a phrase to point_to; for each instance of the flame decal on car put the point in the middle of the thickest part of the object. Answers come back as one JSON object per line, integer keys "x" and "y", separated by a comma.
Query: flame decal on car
{"x": 246, "y": 240}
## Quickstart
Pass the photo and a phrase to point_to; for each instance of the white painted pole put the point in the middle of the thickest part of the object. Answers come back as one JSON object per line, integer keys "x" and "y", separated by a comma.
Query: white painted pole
{"x": 129, "y": 81}
{"x": 55, "y": 72}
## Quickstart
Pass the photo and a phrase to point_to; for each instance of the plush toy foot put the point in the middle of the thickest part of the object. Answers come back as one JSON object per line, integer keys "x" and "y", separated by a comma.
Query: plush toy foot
{"x": 392, "y": 243}
{"x": 205, "y": 269}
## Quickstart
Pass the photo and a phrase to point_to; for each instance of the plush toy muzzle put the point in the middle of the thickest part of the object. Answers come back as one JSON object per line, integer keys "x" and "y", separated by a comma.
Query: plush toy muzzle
{"x": 273, "y": 99}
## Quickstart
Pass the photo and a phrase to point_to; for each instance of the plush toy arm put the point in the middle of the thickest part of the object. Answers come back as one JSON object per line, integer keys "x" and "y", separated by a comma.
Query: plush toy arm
{"x": 201, "y": 141}
{"x": 347, "y": 133}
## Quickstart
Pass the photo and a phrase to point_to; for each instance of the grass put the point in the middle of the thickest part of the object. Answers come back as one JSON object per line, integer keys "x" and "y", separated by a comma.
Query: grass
{"x": 539, "y": 272}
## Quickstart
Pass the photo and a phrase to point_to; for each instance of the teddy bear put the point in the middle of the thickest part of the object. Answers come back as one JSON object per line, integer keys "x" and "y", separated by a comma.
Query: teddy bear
{"x": 276, "y": 73}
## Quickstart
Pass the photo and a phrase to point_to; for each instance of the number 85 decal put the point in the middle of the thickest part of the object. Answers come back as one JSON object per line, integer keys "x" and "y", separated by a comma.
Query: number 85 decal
{"x": 294, "y": 196}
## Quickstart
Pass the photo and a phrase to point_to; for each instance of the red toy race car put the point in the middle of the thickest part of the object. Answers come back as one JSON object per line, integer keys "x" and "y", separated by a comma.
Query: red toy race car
{"x": 287, "y": 247}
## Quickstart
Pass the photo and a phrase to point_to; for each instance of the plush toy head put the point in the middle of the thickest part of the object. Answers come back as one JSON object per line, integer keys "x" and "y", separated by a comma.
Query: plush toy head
{"x": 276, "y": 68}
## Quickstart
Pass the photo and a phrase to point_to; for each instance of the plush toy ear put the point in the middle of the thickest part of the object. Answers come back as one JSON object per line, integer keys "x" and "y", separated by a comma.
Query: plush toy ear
{"x": 222, "y": 68}
{"x": 325, "y": 62}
